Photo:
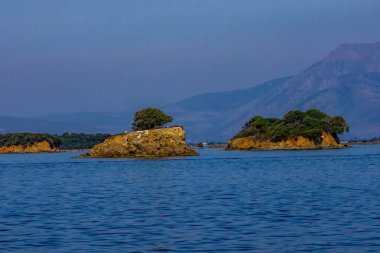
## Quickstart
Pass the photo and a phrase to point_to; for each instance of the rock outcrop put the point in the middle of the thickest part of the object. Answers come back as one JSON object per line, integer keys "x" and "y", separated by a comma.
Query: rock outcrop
{"x": 299, "y": 143}
{"x": 163, "y": 142}
{"x": 38, "y": 147}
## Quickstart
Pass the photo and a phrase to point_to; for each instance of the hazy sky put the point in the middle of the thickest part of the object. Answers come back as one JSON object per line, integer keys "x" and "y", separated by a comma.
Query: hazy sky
{"x": 88, "y": 55}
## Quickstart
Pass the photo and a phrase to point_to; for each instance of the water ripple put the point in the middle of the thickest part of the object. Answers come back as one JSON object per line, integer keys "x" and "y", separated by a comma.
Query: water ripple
{"x": 286, "y": 201}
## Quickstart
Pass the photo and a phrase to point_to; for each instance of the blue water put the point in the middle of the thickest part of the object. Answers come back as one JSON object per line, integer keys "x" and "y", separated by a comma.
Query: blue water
{"x": 275, "y": 201}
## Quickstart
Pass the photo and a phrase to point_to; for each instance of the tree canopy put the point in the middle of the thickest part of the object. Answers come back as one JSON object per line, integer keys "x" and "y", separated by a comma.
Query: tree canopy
{"x": 27, "y": 139}
{"x": 80, "y": 140}
{"x": 64, "y": 141}
{"x": 150, "y": 118}
{"x": 309, "y": 124}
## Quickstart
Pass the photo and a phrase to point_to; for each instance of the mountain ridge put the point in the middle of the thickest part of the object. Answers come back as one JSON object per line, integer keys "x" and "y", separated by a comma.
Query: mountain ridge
{"x": 345, "y": 82}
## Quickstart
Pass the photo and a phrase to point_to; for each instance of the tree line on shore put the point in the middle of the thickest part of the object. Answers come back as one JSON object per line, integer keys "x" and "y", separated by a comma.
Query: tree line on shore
{"x": 63, "y": 141}
{"x": 310, "y": 124}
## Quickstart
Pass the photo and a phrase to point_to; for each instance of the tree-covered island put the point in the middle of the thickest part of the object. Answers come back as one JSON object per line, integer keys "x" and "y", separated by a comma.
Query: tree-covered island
{"x": 28, "y": 143}
{"x": 66, "y": 141}
{"x": 28, "y": 139}
{"x": 312, "y": 125}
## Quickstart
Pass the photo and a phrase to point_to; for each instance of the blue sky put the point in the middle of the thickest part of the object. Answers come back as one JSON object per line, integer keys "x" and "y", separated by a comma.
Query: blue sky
{"x": 89, "y": 55}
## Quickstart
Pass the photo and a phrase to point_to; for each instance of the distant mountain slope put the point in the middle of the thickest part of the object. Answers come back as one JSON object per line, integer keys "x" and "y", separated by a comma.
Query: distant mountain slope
{"x": 217, "y": 116}
{"x": 345, "y": 82}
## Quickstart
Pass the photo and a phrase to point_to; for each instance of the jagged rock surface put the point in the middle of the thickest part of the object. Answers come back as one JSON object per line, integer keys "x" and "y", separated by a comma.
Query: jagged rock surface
{"x": 163, "y": 142}
{"x": 299, "y": 143}
{"x": 39, "y": 147}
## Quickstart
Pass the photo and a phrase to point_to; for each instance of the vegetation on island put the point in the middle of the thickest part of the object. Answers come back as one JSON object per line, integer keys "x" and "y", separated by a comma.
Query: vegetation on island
{"x": 28, "y": 139}
{"x": 80, "y": 140}
{"x": 150, "y": 118}
{"x": 310, "y": 124}
{"x": 64, "y": 141}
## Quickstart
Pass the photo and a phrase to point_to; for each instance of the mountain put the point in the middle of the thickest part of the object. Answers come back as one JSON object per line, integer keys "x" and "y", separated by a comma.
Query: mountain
{"x": 346, "y": 82}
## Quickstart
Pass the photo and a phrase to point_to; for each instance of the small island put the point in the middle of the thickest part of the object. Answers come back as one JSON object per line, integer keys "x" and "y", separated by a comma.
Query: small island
{"x": 297, "y": 130}
{"x": 148, "y": 139}
{"x": 28, "y": 143}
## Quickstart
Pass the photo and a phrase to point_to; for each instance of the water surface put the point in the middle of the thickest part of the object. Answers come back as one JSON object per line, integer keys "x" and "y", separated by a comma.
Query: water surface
{"x": 267, "y": 201}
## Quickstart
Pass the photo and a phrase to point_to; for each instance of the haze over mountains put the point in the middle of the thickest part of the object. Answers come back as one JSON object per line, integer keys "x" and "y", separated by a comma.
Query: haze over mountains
{"x": 346, "y": 82}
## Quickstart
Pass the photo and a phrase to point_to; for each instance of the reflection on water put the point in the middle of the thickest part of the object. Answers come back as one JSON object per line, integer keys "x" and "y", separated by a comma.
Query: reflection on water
{"x": 277, "y": 201}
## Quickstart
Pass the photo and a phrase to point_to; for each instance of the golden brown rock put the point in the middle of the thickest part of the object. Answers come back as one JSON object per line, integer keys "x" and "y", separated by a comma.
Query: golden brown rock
{"x": 39, "y": 147}
{"x": 299, "y": 143}
{"x": 163, "y": 142}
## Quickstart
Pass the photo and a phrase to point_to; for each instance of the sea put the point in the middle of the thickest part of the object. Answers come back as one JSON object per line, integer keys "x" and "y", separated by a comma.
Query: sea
{"x": 220, "y": 201}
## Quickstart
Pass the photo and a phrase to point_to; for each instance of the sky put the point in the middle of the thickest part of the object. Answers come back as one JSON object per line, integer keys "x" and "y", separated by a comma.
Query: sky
{"x": 110, "y": 56}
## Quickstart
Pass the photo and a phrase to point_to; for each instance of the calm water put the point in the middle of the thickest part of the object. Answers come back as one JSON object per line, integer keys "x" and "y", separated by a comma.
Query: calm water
{"x": 288, "y": 201}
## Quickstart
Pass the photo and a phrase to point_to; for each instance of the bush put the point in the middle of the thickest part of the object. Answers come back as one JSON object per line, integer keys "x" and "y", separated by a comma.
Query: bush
{"x": 294, "y": 117}
{"x": 337, "y": 125}
{"x": 314, "y": 134}
{"x": 311, "y": 122}
{"x": 150, "y": 118}
{"x": 279, "y": 133}
{"x": 316, "y": 114}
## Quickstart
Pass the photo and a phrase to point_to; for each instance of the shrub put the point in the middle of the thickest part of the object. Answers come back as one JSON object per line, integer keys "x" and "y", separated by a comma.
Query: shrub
{"x": 337, "y": 125}
{"x": 294, "y": 117}
{"x": 311, "y": 122}
{"x": 279, "y": 133}
{"x": 316, "y": 114}
{"x": 314, "y": 134}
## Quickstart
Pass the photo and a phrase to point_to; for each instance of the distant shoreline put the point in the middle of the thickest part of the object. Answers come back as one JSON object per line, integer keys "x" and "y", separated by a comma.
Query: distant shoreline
{"x": 74, "y": 150}
{"x": 364, "y": 142}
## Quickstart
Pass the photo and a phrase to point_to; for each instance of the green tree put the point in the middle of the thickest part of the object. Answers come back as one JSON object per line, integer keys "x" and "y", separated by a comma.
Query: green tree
{"x": 294, "y": 117}
{"x": 310, "y": 124}
{"x": 80, "y": 140}
{"x": 150, "y": 118}
{"x": 316, "y": 114}
{"x": 338, "y": 125}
